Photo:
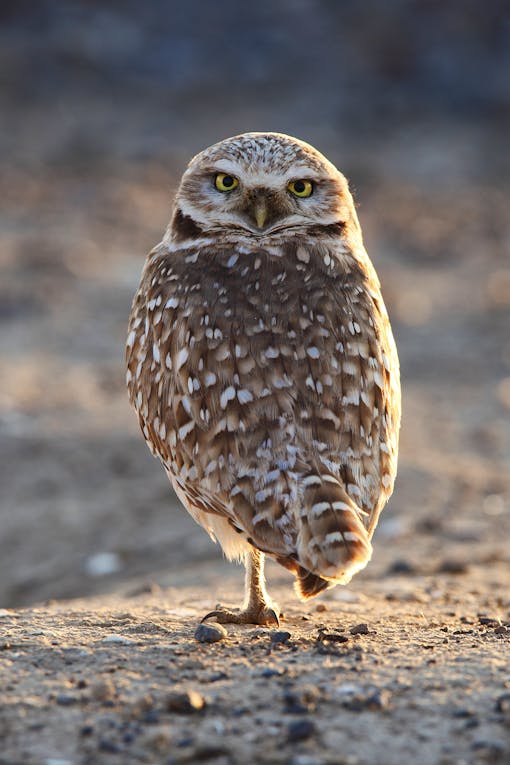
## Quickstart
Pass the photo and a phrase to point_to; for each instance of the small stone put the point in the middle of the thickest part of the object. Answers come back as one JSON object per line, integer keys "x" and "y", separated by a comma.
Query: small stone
{"x": 214, "y": 677}
{"x": 491, "y": 751}
{"x": 141, "y": 706}
{"x": 402, "y": 566}
{"x": 185, "y": 703}
{"x": 301, "y": 700}
{"x": 212, "y": 632}
{"x": 321, "y": 607}
{"x": 103, "y": 564}
{"x": 158, "y": 739}
{"x": 450, "y": 566}
{"x": 268, "y": 672}
{"x": 331, "y": 637}
{"x": 374, "y": 699}
{"x": 501, "y": 630}
{"x": 279, "y": 636}
{"x": 464, "y": 712}
{"x": 107, "y": 745}
{"x": 118, "y": 639}
{"x": 488, "y": 621}
{"x": 359, "y": 629}
{"x": 103, "y": 690}
{"x": 503, "y": 703}
{"x": 300, "y": 730}
{"x": 65, "y": 699}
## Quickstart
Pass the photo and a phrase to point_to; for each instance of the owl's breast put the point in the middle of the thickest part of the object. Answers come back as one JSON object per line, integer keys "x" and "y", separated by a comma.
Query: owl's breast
{"x": 255, "y": 361}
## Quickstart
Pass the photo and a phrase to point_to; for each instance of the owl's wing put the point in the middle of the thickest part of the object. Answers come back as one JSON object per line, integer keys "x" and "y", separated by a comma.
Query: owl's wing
{"x": 182, "y": 404}
{"x": 353, "y": 372}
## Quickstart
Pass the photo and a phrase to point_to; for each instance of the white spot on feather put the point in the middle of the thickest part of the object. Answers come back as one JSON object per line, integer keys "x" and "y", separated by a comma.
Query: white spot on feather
{"x": 182, "y": 357}
{"x": 244, "y": 396}
{"x": 185, "y": 430}
{"x": 320, "y": 507}
{"x": 227, "y": 395}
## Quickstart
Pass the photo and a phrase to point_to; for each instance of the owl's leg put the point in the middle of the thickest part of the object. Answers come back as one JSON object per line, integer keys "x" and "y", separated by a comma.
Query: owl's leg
{"x": 258, "y": 607}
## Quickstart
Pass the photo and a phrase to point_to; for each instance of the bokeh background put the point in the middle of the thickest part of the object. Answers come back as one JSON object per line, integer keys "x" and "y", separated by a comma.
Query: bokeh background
{"x": 102, "y": 104}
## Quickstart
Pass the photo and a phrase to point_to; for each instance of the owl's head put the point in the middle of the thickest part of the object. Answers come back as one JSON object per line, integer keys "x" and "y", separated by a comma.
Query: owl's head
{"x": 259, "y": 184}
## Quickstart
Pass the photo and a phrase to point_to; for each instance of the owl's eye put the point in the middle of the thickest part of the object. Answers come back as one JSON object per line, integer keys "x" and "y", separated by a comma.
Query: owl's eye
{"x": 300, "y": 188}
{"x": 225, "y": 182}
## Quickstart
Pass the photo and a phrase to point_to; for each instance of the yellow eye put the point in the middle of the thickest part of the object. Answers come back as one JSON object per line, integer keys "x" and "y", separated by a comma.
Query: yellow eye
{"x": 225, "y": 182}
{"x": 300, "y": 188}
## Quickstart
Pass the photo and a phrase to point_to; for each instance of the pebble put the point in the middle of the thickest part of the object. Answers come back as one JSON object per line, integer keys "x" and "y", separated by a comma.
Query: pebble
{"x": 66, "y": 699}
{"x": 268, "y": 672}
{"x": 300, "y": 730}
{"x": 214, "y": 677}
{"x": 107, "y": 745}
{"x": 503, "y": 703}
{"x": 451, "y": 566}
{"x": 103, "y": 690}
{"x": 492, "y": 751}
{"x": 464, "y": 712}
{"x": 185, "y": 703}
{"x": 402, "y": 566}
{"x": 302, "y": 700}
{"x": 279, "y": 636}
{"x": 501, "y": 630}
{"x": 320, "y": 607}
{"x": 331, "y": 637}
{"x": 212, "y": 632}
{"x": 359, "y": 629}
{"x": 488, "y": 621}
{"x": 118, "y": 639}
{"x": 141, "y": 706}
{"x": 103, "y": 564}
{"x": 373, "y": 699}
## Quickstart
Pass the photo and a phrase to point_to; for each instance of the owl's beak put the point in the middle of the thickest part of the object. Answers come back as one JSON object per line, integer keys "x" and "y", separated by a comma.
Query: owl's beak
{"x": 260, "y": 212}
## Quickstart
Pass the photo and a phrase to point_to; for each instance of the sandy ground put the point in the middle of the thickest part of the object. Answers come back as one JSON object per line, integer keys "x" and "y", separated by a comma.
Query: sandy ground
{"x": 403, "y": 669}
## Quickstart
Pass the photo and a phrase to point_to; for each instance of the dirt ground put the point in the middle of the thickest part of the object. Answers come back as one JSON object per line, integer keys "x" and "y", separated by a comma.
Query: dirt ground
{"x": 407, "y": 668}
{"x": 103, "y": 577}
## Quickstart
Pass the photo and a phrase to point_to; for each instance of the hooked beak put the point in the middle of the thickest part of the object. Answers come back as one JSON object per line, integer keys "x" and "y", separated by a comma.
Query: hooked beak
{"x": 260, "y": 213}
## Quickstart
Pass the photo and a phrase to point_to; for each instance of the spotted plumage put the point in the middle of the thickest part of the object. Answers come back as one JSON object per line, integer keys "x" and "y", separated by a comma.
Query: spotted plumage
{"x": 262, "y": 365}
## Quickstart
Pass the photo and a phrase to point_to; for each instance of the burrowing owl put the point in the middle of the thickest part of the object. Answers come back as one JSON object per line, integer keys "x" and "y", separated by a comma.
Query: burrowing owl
{"x": 262, "y": 365}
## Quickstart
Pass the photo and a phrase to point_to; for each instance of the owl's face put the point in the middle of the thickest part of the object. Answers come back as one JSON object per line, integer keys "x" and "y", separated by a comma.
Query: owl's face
{"x": 260, "y": 184}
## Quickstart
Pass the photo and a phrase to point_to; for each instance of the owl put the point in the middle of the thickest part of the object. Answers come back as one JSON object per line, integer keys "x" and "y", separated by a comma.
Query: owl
{"x": 262, "y": 366}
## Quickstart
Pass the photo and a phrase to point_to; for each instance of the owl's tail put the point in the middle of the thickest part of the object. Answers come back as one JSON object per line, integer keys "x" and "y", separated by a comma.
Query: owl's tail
{"x": 333, "y": 543}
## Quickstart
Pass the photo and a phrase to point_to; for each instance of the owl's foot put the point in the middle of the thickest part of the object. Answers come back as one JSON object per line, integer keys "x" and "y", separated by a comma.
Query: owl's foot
{"x": 263, "y": 614}
{"x": 258, "y": 607}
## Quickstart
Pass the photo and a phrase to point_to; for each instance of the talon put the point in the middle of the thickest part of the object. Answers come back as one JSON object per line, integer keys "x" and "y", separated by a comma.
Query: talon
{"x": 272, "y": 618}
{"x": 221, "y": 616}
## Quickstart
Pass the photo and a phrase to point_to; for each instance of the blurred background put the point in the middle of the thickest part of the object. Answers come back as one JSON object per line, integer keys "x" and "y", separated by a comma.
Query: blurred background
{"x": 102, "y": 104}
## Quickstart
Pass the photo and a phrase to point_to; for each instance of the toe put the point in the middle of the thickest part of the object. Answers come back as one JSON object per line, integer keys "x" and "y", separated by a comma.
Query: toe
{"x": 269, "y": 617}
